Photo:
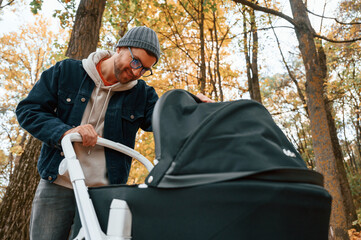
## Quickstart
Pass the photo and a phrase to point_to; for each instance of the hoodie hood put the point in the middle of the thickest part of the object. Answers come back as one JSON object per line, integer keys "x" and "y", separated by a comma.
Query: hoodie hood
{"x": 89, "y": 65}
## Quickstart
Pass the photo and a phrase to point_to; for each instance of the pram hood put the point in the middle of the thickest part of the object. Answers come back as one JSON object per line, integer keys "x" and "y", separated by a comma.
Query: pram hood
{"x": 199, "y": 143}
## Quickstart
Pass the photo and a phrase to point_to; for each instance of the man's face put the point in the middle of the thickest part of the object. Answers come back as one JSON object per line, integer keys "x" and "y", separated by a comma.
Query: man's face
{"x": 123, "y": 71}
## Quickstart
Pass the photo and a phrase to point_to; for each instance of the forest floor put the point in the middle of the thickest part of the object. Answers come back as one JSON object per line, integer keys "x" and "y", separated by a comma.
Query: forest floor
{"x": 354, "y": 235}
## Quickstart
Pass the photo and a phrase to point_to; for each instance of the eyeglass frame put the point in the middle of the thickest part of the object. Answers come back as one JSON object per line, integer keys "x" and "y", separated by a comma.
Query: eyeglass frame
{"x": 136, "y": 62}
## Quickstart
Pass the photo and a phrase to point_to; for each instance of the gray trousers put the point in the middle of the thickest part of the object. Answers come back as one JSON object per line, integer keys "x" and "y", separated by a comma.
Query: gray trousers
{"x": 52, "y": 212}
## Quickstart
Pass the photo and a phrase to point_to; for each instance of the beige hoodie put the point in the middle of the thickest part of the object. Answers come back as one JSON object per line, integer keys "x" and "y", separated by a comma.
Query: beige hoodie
{"x": 92, "y": 159}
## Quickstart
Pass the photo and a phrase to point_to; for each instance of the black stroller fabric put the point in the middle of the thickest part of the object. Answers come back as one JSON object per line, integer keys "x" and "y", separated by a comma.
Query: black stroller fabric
{"x": 197, "y": 143}
{"x": 225, "y": 171}
{"x": 247, "y": 210}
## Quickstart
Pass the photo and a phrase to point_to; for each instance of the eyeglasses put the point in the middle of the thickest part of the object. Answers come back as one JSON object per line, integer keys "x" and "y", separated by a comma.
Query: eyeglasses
{"x": 136, "y": 64}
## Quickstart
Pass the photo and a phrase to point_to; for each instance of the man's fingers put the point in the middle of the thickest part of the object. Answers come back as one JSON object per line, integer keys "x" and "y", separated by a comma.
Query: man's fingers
{"x": 88, "y": 134}
{"x": 204, "y": 98}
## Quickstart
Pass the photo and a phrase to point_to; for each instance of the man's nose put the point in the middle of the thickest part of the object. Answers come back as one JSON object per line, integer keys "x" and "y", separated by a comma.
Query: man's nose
{"x": 137, "y": 72}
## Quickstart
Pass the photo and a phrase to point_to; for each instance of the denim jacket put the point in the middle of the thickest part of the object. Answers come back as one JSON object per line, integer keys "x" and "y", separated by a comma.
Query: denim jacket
{"x": 56, "y": 104}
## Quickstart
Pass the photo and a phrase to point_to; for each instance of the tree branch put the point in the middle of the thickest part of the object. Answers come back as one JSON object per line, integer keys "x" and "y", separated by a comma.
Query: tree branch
{"x": 335, "y": 19}
{"x": 266, "y": 10}
{"x": 9, "y": 3}
{"x": 336, "y": 41}
{"x": 274, "y": 27}
{"x": 290, "y": 20}
{"x": 293, "y": 78}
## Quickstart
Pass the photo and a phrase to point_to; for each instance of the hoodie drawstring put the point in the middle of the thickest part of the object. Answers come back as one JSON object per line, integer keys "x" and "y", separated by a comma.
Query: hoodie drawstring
{"x": 101, "y": 113}
{"x": 96, "y": 99}
{"x": 105, "y": 103}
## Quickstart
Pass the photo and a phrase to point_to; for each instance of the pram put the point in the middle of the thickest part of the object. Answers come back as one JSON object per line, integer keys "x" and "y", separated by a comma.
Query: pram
{"x": 223, "y": 171}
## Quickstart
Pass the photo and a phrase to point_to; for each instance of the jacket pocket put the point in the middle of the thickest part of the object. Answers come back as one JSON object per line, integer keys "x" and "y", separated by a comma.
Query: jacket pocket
{"x": 132, "y": 115}
{"x": 131, "y": 120}
{"x": 65, "y": 104}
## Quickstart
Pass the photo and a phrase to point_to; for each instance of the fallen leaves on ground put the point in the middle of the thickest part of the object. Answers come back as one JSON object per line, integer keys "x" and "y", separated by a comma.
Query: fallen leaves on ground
{"x": 354, "y": 235}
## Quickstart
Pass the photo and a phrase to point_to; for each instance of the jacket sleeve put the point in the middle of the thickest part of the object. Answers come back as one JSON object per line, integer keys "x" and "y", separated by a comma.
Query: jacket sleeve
{"x": 152, "y": 98}
{"x": 37, "y": 112}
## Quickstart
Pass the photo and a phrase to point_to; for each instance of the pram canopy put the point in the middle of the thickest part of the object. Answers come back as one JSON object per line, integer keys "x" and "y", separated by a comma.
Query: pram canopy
{"x": 197, "y": 143}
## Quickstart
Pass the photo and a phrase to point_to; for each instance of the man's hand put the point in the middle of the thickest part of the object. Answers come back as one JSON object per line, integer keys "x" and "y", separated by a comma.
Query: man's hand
{"x": 204, "y": 98}
{"x": 87, "y": 132}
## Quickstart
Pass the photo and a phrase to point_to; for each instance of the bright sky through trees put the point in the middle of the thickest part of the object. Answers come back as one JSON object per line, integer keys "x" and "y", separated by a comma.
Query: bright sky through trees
{"x": 11, "y": 20}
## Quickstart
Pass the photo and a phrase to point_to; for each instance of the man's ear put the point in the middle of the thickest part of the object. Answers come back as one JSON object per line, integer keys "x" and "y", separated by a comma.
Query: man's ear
{"x": 119, "y": 49}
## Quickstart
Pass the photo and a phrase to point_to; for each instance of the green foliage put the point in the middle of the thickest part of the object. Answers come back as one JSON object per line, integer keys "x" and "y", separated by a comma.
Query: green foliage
{"x": 35, "y": 6}
{"x": 66, "y": 15}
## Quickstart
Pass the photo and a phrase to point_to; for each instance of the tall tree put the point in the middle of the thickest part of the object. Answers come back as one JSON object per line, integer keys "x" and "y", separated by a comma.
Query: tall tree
{"x": 218, "y": 45}
{"x": 325, "y": 142}
{"x": 251, "y": 52}
{"x": 187, "y": 24}
{"x": 16, "y": 205}
{"x": 192, "y": 14}
{"x": 345, "y": 90}
{"x": 85, "y": 34}
{"x": 14, "y": 197}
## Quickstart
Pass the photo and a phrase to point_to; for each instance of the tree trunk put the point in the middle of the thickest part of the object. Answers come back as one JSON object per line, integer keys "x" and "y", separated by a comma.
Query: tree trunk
{"x": 16, "y": 205}
{"x": 85, "y": 34}
{"x": 218, "y": 46}
{"x": 322, "y": 125}
{"x": 202, "y": 79}
{"x": 251, "y": 55}
{"x": 255, "y": 89}
{"x": 246, "y": 50}
{"x": 345, "y": 187}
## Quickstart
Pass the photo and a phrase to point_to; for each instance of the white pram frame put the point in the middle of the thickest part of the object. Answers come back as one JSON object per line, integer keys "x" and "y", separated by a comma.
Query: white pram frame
{"x": 119, "y": 222}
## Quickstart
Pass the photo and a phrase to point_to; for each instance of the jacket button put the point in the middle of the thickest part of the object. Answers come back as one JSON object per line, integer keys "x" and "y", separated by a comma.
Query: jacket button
{"x": 82, "y": 99}
{"x": 68, "y": 100}
{"x": 132, "y": 116}
{"x": 62, "y": 154}
{"x": 50, "y": 178}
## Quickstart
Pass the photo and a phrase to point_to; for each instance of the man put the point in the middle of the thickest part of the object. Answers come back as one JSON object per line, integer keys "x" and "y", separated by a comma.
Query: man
{"x": 98, "y": 96}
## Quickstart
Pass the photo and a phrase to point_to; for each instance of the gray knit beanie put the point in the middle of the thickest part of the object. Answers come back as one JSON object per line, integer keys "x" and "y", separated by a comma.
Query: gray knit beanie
{"x": 141, "y": 37}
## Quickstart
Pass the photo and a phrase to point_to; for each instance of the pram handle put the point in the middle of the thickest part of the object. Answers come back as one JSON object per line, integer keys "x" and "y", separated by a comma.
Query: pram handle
{"x": 70, "y": 163}
{"x": 69, "y": 152}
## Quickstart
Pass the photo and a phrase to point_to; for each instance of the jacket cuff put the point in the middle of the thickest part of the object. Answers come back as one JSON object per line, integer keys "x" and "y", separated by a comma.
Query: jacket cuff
{"x": 59, "y": 135}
